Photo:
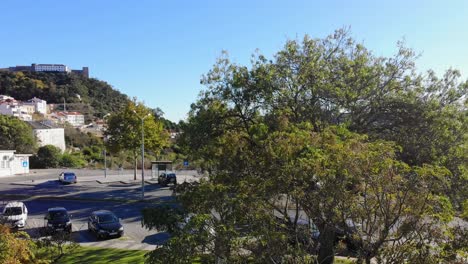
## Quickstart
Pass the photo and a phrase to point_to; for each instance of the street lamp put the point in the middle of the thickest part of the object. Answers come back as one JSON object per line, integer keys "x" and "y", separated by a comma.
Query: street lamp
{"x": 142, "y": 152}
{"x": 105, "y": 152}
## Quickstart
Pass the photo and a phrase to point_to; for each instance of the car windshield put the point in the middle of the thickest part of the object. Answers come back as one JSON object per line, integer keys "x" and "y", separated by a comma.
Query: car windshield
{"x": 171, "y": 175}
{"x": 13, "y": 211}
{"x": 58, "y": 214}
{"x": 107, "y": 218}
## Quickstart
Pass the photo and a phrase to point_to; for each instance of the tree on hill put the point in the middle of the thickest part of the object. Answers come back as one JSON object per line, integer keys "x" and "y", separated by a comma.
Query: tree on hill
{"x": 16, "y": 135}
{"x": 124, "y": 131}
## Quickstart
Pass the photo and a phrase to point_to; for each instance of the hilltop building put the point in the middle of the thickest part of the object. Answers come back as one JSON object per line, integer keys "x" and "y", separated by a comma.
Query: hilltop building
{"x": 48, "y": 68}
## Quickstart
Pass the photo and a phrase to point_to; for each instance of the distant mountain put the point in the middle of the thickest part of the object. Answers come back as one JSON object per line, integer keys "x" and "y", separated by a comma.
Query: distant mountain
{"x": 92, "y": 97}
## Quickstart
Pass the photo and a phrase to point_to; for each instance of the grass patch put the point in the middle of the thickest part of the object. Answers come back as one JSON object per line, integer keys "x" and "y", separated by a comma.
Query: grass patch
{"x": 96, "y": 255}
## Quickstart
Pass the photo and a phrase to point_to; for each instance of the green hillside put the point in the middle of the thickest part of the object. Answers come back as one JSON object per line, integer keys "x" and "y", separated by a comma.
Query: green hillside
{"x": 87, "y": 95}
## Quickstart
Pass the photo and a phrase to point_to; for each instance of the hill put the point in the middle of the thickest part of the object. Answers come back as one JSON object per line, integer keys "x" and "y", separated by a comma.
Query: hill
{"x": 92, "y": 97}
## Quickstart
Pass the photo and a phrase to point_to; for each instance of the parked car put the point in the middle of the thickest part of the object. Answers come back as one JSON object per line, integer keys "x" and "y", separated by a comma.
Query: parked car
{"x": 167, "y": 178}
{"x": 105, "y": 224}
{"x": 67, "y": 177}
{"x": 58, "y": 219}
{"x": 15, "y": 214}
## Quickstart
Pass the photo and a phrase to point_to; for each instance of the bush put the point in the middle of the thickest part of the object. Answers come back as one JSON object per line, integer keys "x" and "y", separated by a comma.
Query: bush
{"x": 47, "y": 156}
{"x": 72, "y": 161}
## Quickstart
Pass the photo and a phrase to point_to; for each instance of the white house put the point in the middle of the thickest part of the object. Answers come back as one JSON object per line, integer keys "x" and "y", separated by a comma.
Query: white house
{"x": 40, "y": 106}
{"x": 12, "y": 108}
{"x": 75, "y": 119}
{"x": 5, "y": 97}
{"x": 48, "y": 135}
{"x": 11, "y": 163}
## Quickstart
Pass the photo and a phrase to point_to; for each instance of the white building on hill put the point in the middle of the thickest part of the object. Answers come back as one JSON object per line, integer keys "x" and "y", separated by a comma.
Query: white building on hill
{"x": 13, "y": 108}
{"x": 75, "y": 119}
{"x": 39, "y": 105}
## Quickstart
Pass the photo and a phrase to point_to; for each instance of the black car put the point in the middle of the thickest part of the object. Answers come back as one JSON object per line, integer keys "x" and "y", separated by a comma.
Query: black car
{"x": 167, "y": 178}
{"x": 58, "y": 219}
{"x": 105, "y": 224}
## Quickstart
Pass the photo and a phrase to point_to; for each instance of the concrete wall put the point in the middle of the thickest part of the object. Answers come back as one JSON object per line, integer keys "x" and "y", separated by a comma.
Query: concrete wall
{"x": 51, "y": 136}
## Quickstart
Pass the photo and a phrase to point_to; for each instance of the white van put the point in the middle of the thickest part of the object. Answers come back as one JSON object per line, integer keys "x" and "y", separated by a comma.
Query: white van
{"x": 15, "y": 214}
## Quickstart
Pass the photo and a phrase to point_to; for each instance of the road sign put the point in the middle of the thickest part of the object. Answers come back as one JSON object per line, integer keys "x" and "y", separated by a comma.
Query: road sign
{"x": 25, "y": 164}
{"x": 185, "y": 163}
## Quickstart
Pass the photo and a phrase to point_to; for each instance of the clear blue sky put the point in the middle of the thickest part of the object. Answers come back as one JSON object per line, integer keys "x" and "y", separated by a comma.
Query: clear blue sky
{"x": 158, "y": 50}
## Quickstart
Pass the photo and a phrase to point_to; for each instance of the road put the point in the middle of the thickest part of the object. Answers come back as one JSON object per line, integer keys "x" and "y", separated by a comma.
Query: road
{"x": 117, "y": 193}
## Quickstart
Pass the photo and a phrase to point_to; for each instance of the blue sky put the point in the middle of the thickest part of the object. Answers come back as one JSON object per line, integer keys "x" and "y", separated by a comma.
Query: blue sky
{"x": 158, "y": 50}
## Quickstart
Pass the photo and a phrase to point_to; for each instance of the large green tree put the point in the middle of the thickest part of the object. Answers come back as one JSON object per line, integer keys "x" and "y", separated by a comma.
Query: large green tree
{"x": 360, "y": 145}
{"x": 16, "y": 135}
{"x": 124, "y": 131}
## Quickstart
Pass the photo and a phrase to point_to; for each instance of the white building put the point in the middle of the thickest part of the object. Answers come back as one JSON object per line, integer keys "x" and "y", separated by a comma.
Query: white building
{"x": 75, "y": 119}
{"x": 5, "y": 97}
{"x": 48, "y": 135}
{"x": 50, "y": 68}
{"x": 13, "y": 108}
{"x": 40, "y": 106}
{"x": 11, "y": 163}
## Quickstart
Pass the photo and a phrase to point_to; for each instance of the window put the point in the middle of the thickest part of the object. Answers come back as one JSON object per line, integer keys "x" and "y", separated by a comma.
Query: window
{"x": 5, "y": 162}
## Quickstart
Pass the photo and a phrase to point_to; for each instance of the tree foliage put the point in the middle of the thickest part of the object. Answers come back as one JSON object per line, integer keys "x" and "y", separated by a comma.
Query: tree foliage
{"x": 363, "y": 147}
{"x": 124, "y": 131}
{"x": 15, "y": 248}
{"x": 48, "y": 156}
{"x": 16, "y": 135}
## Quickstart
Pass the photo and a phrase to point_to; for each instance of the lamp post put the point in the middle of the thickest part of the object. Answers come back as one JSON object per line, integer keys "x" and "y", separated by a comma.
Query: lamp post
{"x": 142, "y": 152}
{"x": 105, "y": 151}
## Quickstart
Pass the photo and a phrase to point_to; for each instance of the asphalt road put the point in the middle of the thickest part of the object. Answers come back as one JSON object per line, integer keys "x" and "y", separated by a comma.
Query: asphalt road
{"x": 135, "y": 237}
{"x": 85, "y": 197}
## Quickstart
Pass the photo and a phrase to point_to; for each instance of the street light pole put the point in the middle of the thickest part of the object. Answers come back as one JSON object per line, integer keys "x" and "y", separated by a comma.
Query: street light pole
{"x": 142, "y": 153}
{"x": 105, "y": 162}
{"x": 142, "y": 158}
{"x": 105, "y": 151}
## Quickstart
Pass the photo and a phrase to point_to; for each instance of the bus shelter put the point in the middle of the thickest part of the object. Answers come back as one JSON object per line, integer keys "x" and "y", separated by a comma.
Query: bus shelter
{"x": 160, "y": 166}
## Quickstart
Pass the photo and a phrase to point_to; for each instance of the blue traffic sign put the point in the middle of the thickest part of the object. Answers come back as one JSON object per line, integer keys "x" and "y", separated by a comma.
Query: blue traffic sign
{"x": 185, "y": 162}
{"x": 25, "y": 164}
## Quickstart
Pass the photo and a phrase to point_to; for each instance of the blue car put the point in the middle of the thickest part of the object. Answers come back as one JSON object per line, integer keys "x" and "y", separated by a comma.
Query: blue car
{"x": 67, "y": 177}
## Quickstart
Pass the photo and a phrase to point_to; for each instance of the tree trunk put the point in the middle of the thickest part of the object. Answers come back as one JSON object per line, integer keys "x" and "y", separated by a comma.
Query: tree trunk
{"x": 327, "y": 245}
